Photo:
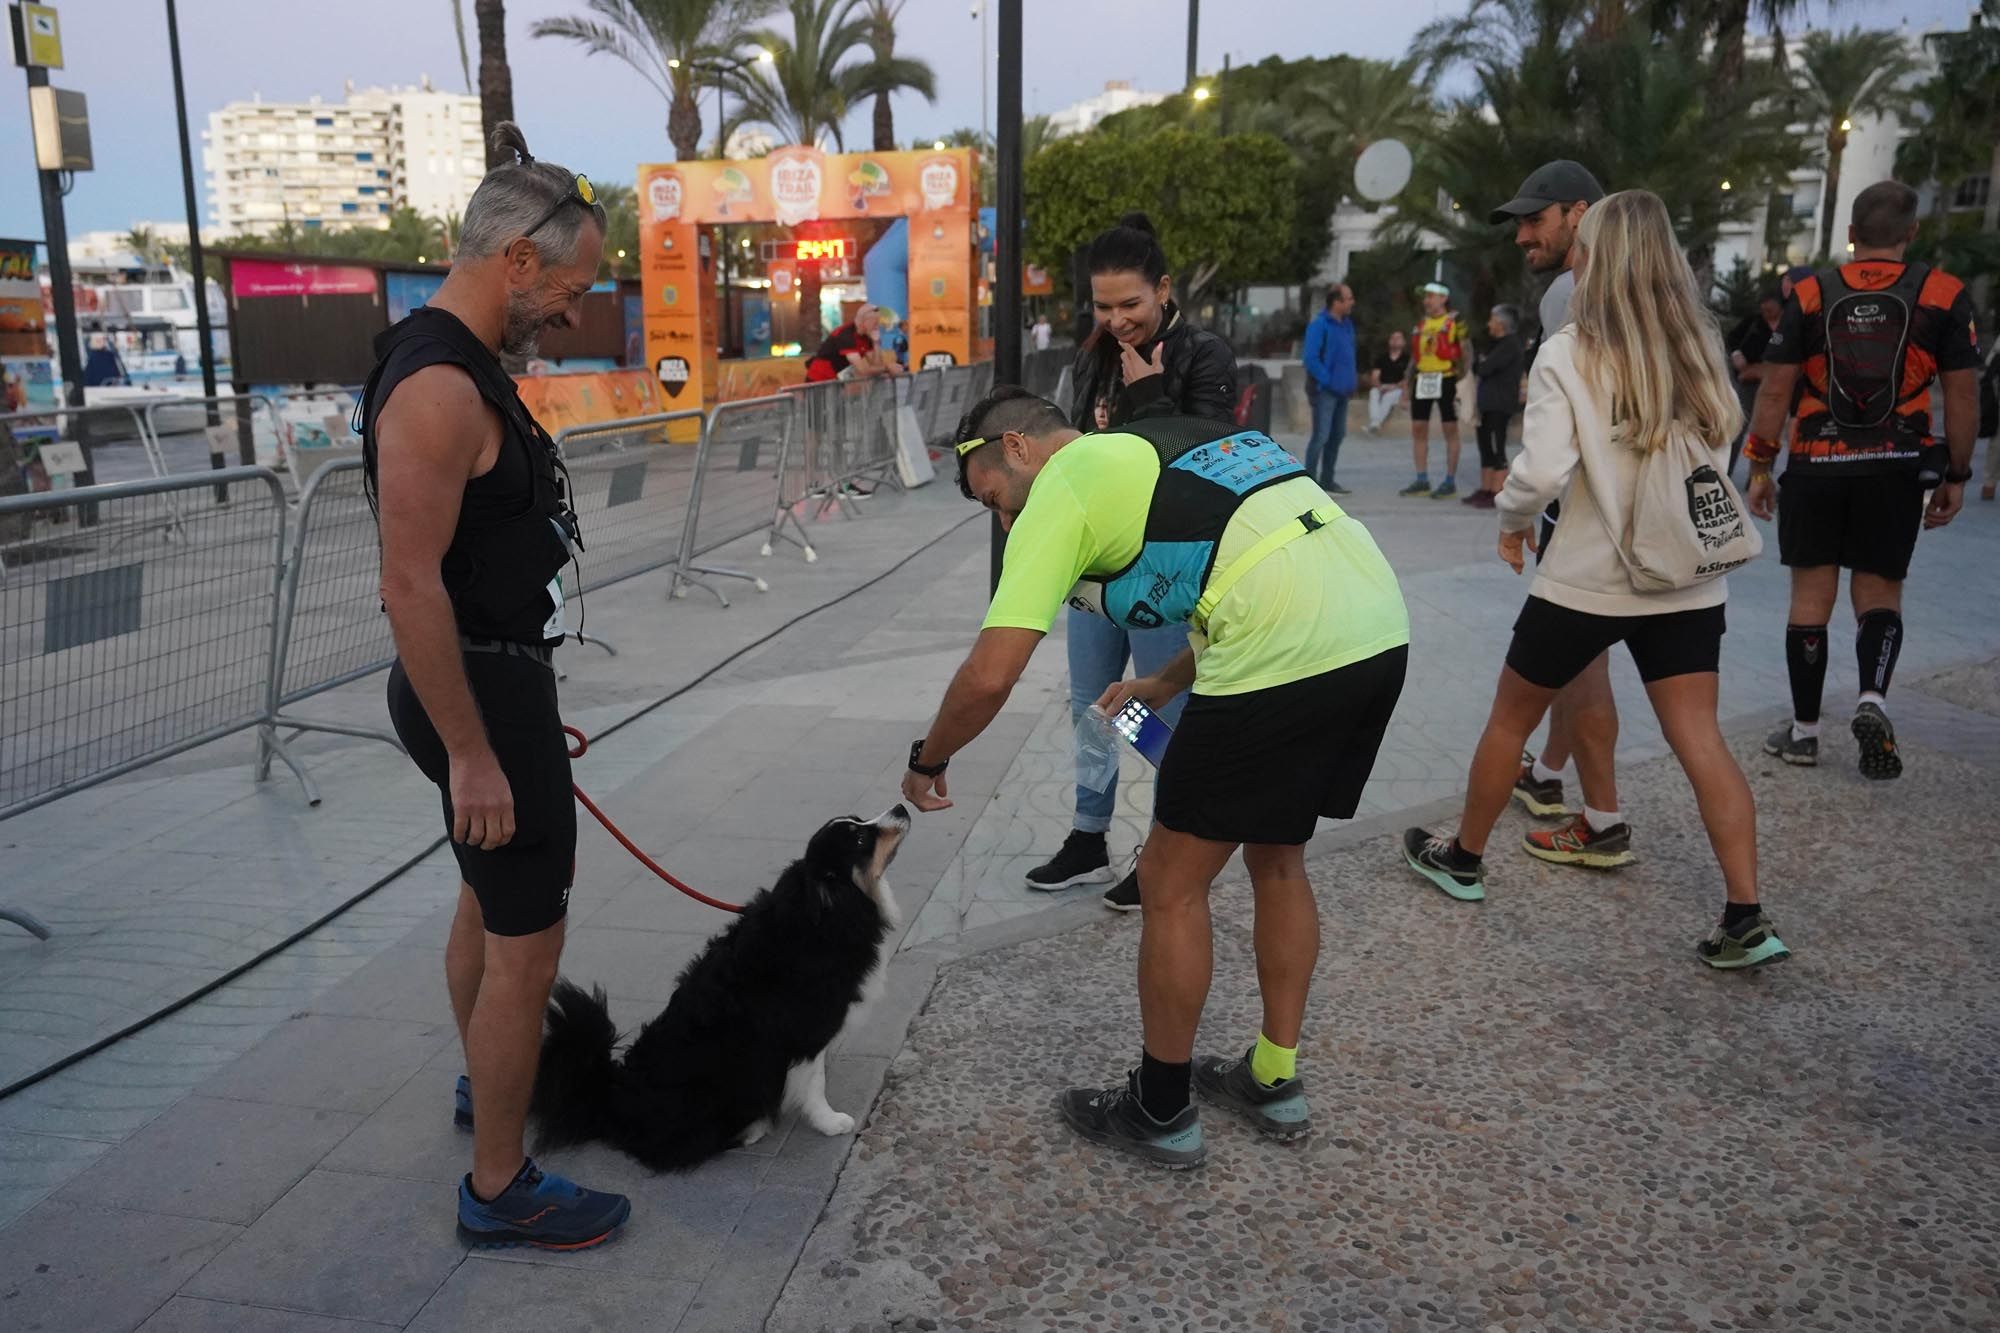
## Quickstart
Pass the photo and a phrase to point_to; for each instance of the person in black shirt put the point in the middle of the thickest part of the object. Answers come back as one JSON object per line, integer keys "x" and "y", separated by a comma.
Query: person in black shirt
{"x": 850, "y": 348}
{"x": 1385, "y": 381}
{"x": 1747, "y": 343}
{"x": 475, "y": 532}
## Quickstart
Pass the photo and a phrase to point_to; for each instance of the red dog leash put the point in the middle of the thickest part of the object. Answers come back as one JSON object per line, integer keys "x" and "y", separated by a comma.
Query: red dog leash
{"x": 582, "y": 745}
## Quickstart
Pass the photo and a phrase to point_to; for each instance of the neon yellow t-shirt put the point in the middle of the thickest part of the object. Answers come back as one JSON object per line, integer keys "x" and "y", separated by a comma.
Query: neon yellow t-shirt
{"x": 1320, "y": 602}
{"x": 1435, "y": 334}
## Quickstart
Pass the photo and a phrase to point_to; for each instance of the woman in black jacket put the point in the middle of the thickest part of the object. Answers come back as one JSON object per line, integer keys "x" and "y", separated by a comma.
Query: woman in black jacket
{"x": 1499, "y": 398}
{"x": 1143, "y": 358}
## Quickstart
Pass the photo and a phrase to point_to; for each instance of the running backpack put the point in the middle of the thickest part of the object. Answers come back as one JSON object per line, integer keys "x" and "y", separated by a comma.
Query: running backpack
{"x": 1867, "y": 344}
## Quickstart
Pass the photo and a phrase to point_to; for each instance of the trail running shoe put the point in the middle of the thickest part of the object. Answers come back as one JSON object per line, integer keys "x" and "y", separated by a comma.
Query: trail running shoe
{"x": 1754, "y": 943}
{"x": 1445, "y": 489}
{"x": 1577, "y": 844}
{"x": 1277, "y": 1111}
{"x": 1420, "y": 487}
{"x": 541, "y": 1210}
{"x": 461, "y": 1104}
{"x": 1082, "y": 860}
{"x": 1800, "y": 750}
{"x": 1114, "y": 1118}
{"x": 1124, "y": 895}
{"x": 1544, "y": 800}
{"x": 1877, "y": 737}
{"x": 1438, "y": 860}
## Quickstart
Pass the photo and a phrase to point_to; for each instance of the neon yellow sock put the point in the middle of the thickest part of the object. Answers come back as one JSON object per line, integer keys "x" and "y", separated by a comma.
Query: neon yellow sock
{"x": 1271, "y": 1064}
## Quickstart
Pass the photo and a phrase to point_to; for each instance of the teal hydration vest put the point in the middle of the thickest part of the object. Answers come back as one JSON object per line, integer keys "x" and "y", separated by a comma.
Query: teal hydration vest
{"x": 1203, "y": 478}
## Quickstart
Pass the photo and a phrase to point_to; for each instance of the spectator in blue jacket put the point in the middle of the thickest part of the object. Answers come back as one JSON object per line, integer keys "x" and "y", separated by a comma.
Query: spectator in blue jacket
{"x": 1330, "y": 382}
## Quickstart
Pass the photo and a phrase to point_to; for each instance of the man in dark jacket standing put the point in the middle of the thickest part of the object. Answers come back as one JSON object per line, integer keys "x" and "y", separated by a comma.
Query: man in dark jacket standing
{"x": 1499, "y": 397}
{"x": 1330, "y": 381}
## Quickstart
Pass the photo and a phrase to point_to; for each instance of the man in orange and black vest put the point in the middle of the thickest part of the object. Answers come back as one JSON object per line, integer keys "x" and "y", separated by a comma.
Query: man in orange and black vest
{"x": 1869, "y": 338}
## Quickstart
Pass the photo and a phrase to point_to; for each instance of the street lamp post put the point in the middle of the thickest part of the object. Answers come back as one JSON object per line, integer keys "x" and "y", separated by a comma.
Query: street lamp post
{"x": 204, "y": 331}
{"x": 1007, "y": 239}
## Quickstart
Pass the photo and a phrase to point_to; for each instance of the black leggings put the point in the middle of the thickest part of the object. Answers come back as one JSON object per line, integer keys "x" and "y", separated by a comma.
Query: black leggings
{"x": 1493, "y": 440}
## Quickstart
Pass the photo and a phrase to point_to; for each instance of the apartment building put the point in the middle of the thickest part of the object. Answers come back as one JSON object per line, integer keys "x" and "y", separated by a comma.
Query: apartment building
{"x": 339, "y": 166}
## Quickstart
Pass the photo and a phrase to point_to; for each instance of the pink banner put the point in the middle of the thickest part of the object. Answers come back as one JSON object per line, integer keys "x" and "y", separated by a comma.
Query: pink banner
{"x": 263, "y": 277}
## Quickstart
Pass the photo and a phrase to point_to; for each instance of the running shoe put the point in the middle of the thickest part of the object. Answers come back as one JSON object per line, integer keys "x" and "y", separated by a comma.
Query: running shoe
{"x": 1277, "y": 1110}
{"x": 1082, "y": 860}
{"x": 1439, "y": 860}
{"x": 1124, "y": 895}
{"x": 1793, "y": 749}
{"x": 461, "y": 1104}
{"x": 1872, "y": 729}
{"x": 540, "y": 1210}
{"x": 1752, "y": 944}
{"x": 1544, "y": 800}
{"x": 1420, "y": 487}
{"x": 1577, "y": 844}
{"x": 1445, "y": 489}
{"x": 1114, "y": 1118}
{"x": 1335, "y": 488}
{"x": 1480, "y": 500}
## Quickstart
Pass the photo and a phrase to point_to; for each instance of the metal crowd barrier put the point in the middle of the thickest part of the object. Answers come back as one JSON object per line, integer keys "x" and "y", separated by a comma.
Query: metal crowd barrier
{"x": 119, "y": 647}
{"x": 920, "y": 395}
{"x": 246, "y": 428}
{"x": 748, "y": 476}
{"x": 97, "y": 436}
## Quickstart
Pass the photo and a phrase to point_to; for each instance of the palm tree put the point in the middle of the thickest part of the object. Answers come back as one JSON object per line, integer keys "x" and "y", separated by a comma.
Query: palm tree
{"x": 1844, "y": 76}
{"x": 671, "y": 43}
{"x": 142, "y": 242}
{"x": 1372, "y": 101}
{"x": 887, "y": 73}
{"x": 464, "y": 56}
{"x": 621, "y": 229}
{"x": 496, "y": 78}
{"x": 803, "y": 92}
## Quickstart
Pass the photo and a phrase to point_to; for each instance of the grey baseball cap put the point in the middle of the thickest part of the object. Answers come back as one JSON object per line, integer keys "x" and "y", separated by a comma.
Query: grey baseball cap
{"x": 1559, "y": 182}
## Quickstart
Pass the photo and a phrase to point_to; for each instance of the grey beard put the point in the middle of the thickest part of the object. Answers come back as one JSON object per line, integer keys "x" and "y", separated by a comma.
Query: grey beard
{"x": 521, "y": 335}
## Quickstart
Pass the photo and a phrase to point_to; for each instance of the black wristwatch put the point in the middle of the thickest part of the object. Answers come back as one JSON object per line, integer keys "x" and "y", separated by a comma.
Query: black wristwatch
{"x": 919, "y": 767}
{"x": 1958, "y": 476}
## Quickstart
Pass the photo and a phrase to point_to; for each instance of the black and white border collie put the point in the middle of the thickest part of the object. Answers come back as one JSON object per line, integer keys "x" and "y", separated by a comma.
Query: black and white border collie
{"x": 744, "y": 1038}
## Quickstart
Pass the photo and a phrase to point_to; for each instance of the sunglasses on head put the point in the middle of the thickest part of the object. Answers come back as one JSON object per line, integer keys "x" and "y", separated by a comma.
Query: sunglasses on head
{"x": 580, "y": 192}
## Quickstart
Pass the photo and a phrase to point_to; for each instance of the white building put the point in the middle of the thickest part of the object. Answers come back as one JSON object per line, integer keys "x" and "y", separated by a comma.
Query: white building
{"x": 342, "y": 165}
{"x": 113, "y": 249}
{"x": 1118, "y": 95}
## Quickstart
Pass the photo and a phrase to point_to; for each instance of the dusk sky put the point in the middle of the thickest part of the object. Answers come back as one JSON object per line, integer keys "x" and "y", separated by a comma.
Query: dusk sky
{"x": 594, "y": 114}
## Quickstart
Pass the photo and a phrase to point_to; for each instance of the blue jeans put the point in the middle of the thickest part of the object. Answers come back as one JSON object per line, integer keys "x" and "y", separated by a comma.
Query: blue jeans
{"x": 1097, "y": 652}
{"x": 1329, "y": 432}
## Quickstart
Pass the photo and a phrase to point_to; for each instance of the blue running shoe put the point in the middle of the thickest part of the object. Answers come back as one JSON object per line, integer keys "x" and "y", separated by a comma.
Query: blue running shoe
{"x": 461, "y": 1105}
{"x": 541, "y": 1210}
{"x": 1114, "y": 1118}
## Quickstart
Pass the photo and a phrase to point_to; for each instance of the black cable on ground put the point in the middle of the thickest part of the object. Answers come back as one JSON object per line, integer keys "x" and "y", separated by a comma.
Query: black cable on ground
{"x": 133, "y": 1029}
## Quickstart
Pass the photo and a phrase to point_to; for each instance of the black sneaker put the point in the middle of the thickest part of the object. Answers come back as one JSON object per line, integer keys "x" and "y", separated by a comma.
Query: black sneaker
{"x": 1114, "y": 1118}
{"x": 1335, "y": 488}
{"x": 1544, "y": 800}
{"x": 1082, "y": 860}
{"x": 1124, "y": 895}
{"x": 1438, "y": 860}
{"x": 1800, "y": 750}
{"x": 1277, "y": 1111}
{"x": 1877, "y": 737}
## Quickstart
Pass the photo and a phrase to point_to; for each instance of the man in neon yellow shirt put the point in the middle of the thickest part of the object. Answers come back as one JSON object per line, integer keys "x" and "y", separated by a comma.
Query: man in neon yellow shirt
{"x": 1298, "y": 645}
{"x": 1437, "y": 354}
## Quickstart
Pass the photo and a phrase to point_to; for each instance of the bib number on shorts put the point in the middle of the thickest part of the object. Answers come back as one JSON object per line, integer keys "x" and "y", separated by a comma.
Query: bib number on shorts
{"x": 1430, "y": 384}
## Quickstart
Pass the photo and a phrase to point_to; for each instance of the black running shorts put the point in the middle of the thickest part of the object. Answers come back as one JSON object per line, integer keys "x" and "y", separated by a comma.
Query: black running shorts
{"x": 1553, "y": 644}
{"x": 1263, "y": 767}
{"x": 1446, "y": 401}
{"x": 1869, "y": 524}
{"x": 522, "y": 886}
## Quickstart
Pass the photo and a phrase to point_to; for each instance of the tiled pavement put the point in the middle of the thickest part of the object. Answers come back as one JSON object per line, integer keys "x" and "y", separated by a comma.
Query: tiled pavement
{"x": 277, "y": 1156}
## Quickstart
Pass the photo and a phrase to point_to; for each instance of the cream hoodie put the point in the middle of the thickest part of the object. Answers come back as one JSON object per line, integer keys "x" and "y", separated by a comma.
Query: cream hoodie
{"x": 1567, "y": 451}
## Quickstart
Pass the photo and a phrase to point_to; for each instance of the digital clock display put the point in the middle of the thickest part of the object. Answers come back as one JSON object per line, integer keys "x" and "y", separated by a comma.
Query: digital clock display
{"x": 830, "y": 247}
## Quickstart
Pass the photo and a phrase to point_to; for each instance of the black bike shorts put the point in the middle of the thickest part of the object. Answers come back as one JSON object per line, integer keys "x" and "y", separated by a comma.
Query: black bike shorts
{"x": 523, "y": 885}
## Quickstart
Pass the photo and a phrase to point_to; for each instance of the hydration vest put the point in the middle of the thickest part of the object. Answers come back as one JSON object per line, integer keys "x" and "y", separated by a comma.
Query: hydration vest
{"x": 1867, "y": 348}
{"x": 507, "y": 552}
{"x": 1203, "y": 480}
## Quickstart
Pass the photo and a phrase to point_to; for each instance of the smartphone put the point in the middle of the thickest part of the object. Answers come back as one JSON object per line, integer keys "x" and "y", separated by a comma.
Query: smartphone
{"x": 1143, "y": 730}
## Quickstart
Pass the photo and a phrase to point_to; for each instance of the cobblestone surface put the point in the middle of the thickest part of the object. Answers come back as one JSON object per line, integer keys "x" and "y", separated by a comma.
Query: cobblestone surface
{"x": 1539, "y": 1113}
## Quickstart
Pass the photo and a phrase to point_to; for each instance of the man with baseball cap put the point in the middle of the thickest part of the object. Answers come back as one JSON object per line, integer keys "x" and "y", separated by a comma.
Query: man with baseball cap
{"x": 1545, "y": 212}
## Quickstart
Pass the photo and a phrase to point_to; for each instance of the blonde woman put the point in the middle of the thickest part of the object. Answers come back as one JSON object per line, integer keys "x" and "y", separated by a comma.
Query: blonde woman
{"x": 1641, "y": 362}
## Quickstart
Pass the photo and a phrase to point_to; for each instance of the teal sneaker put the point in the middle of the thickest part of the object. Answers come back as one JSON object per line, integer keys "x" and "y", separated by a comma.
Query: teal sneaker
{"x": 541, "y": 1210}
{"x": 1753, "y": 943}
{"x": 1438, "y": 860}
{"x": 1114, "y": 1118}
{"x": 1277, "y": 1111}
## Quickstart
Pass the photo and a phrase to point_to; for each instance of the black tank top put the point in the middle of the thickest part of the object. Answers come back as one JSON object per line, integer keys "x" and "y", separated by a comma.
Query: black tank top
{"x": 510, "y": 539}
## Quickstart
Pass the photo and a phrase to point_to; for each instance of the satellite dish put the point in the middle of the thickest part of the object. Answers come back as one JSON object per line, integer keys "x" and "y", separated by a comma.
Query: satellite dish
{"x": 1382, "y": 170}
